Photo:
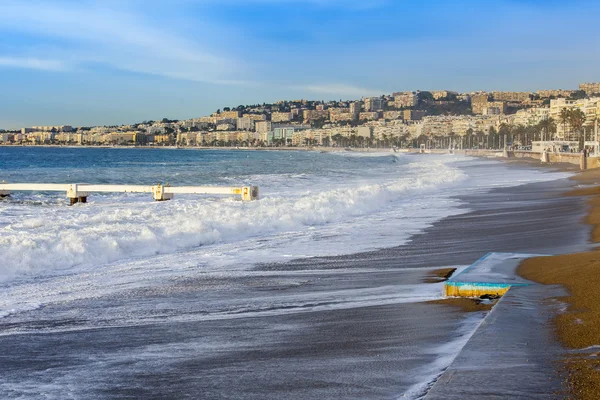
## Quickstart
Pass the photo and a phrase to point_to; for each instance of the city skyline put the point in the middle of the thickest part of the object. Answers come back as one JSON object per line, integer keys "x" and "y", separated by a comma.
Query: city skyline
{"x": 89, "y": 64}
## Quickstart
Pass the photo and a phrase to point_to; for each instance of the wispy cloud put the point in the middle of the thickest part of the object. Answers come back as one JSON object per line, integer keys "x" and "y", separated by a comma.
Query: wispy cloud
{"x": 32, "y": 63}
{"x": 337, "y": 90}
{"x": 348, "y": 4}
{"x": 117, "y": 38}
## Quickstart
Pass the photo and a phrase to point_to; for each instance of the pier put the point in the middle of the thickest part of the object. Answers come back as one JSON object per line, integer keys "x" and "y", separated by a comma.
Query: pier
{"x": 79, "y": 192}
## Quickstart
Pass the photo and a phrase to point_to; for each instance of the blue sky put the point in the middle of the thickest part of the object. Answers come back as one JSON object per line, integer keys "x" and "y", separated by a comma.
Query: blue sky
{"x": 108, "y": 62}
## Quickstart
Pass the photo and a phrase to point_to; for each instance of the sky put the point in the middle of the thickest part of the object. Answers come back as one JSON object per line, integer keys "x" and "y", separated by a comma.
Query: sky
{"x": 110, "y": 62}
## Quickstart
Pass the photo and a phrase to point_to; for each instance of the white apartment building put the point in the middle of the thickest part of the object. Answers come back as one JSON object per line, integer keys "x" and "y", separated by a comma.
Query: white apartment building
{"x": 255, "y": 117}
{"x": 263, "y": 126}
{"x": 245, "y": 124}
{"x": 590, "y": 107}
{"x": 530, "y": 116}
{"x": 405, "y": 99}
{"x": 374, "y": 104}
{"x": 281, "y": 117}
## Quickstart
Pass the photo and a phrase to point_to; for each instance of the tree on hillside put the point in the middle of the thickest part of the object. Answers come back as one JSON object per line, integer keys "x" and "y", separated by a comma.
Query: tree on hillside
{"x": 578, "y": 95}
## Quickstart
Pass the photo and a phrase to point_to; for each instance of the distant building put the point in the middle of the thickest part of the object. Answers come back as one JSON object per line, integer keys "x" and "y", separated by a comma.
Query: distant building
{"x": 122, "y": 138}
{"x": 511, "y": 96}
{"x": 281, "y": 117}
{"x": 590, "y": 107}
{"x": 413, "y": 115}
{"x": 442, "y": 94}
{"x": 262, "y": 126}
{"x": 245, "y": 124}
{"x": 492, "y": 111}
{"x": 225, "y": 127}
{"x": 554, "y": 93}
{"x": 369, "y": 116}
{"x": 230, "y": 121}
{"x": 340, "y": 114}
{"x": 374, "y": 104}
{"x": 314, "y": 115}
{"x": 356, "y": 108}
{"x": 255, "y": 117}
{"x": 405, "y": 99}
{"x": 228, "y": 115}
{"x": 590, "y": 88}
{"x": 530, "y": 116}
{"x": 60, "y": 128}
{"x": 284, "y": 134}
{"x": 392, "y": 115}
{"x": 479, "y": 102}
{"x": 365, "y": 131}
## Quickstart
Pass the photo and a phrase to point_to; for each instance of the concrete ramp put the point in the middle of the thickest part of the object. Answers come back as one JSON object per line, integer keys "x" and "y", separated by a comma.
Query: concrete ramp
{"x": 492, "y": 275}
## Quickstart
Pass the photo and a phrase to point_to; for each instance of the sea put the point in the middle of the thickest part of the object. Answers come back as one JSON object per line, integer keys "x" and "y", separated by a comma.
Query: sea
{"x": 316, "y": 290}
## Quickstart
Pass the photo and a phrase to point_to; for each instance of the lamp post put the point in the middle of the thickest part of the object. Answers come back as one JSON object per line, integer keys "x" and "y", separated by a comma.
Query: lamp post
{"x": 596, "y": 136}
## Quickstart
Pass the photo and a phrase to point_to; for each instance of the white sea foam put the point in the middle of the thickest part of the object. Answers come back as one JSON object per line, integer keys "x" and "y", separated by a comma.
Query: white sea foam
{"x": 58, "y": 238}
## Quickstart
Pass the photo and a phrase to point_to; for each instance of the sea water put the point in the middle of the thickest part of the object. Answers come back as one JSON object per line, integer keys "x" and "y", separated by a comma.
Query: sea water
{"x": 105, "y": 263}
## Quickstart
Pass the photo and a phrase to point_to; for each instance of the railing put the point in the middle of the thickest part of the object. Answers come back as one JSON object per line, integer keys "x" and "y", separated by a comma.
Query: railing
{"x": 78, "y": 192}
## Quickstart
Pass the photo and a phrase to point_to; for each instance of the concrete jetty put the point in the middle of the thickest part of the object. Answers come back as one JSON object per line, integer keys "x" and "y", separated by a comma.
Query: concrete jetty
{"x": 492, "y": 275}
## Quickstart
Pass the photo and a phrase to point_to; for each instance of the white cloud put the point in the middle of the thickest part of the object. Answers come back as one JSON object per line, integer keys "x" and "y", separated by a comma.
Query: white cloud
{"x": 32, "y": 63}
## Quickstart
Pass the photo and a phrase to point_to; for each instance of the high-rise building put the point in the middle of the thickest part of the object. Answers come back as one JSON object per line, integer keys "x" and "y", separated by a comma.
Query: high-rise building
{"x": 355, "y": 108}
{"x": 479, "y": 102}
{"x": 405, "y": 99}
{"x": 263, "y": 126}
{"x": 374, "y": 104}
{"x": 511, "y": 96}
{"x": 245, "y": 124}
{"x": 281, "y": 117}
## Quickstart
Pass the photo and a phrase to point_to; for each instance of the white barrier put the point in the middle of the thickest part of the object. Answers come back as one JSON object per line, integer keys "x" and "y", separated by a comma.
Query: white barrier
{"x": 78, "y": 192}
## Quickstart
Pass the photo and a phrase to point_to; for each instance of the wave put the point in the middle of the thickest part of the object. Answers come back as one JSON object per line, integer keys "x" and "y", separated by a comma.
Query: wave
{"x": 93, "y": 234}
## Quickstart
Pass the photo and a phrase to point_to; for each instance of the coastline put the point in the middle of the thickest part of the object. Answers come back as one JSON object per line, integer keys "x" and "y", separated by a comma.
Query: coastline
{"x": 221, "y": 148}
{"x": 302, "y": 342}
{"x": 578, "y": 327}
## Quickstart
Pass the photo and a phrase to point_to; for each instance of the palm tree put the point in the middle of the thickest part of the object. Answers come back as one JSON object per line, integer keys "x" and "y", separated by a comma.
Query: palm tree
{"x": 576, "y": 121}
{"x": 468, "y": 135}
{"x": 505, "y": 131}
{"x": 547, "y": 126}
{"x": 337, "y": 139}
{"x": 564, "y": 117}
{"x": 451, "y": 137}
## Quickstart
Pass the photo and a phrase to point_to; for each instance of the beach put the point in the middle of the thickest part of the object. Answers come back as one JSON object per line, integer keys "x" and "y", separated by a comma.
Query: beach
{"x": 359, "y": 321}
{"x": 578, "y": 327}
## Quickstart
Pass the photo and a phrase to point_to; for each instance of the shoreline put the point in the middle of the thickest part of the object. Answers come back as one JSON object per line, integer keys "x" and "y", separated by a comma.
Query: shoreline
{"x": 374, "y": 337}
{"x": 320, "y": 149}
{"x": 578, "y": 327}
{"x": 371, "y": 349}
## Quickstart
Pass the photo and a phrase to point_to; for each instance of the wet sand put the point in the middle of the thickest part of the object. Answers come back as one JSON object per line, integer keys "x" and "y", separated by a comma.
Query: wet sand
{"x": 578, "y": 328}
{"x": 282, "y": 330}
